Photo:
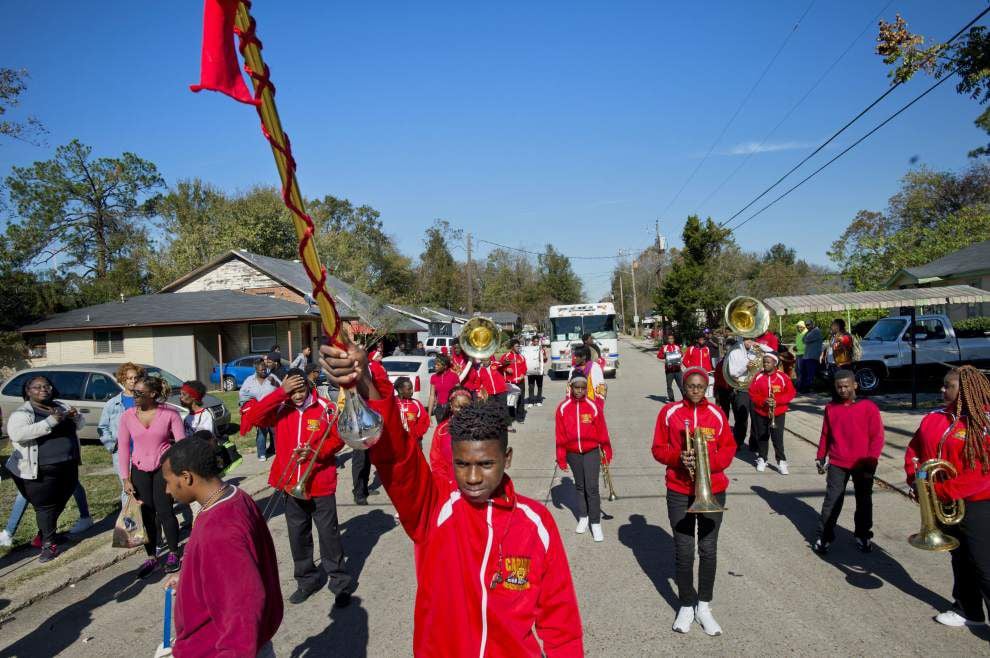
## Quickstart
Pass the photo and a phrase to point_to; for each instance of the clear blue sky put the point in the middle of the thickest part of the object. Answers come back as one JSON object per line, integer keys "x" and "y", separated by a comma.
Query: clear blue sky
{"x": 524, "y": 122}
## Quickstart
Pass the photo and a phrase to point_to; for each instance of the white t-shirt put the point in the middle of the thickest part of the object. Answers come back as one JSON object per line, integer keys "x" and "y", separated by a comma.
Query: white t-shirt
{"x": 194, "y": 422}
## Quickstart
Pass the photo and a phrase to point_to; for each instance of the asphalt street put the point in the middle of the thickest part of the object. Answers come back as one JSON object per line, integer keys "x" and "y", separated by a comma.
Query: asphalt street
{"x": 773, "y": 596}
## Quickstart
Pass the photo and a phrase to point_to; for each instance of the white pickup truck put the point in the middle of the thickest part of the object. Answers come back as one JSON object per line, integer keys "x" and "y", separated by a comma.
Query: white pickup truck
{"x": 887, "y": 350}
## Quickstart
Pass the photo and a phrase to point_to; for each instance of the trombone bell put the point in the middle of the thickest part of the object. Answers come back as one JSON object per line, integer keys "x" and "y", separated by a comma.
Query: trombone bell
{"x": 747, "y": 317}
{"x": 479, "y": 338}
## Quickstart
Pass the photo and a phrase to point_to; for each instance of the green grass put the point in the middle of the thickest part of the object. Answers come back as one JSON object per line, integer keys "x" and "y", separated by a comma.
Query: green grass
{"x": 243, "y": 443}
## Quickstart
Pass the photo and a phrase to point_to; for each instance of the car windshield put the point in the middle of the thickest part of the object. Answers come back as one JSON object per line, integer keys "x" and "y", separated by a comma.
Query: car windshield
{"x": 401, "y": 366}
{"x": 887, "y": 329}
{"x": 173, "y": 381}
{"x": 572, "y": 328}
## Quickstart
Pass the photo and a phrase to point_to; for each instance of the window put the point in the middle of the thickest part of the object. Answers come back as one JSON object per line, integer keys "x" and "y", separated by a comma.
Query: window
{"x": 101, "y": 388}
{"x": 68, "y": 385}
{"x": 108, "y": 342}
{"x": 15, "y": 386}
{"x": 262, "y": 336}
{"x": 37, "y": 346}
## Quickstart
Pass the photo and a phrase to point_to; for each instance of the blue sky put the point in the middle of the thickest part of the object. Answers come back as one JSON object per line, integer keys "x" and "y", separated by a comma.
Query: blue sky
{"x": 524, "y": 122}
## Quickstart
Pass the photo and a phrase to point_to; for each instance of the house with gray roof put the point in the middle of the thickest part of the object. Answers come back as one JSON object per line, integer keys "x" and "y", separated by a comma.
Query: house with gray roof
{"x": 969, "y": 266}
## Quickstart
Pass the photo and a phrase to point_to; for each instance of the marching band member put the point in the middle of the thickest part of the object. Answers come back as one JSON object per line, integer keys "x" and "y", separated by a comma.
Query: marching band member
{"x": 583, "y": 365}
{"x": 742, "y": 407}
{"x": 534, "y": 376}
{"x": 459, "y": 362}
{"x": 670, "y": 354}
{"x": 523, "y": 603}
{"x": 441, "y": 454}
{"x": 442, "y": 382}
{"x": 769, "y": 340}
{"x": 960, "y": 434}
{"x": 415, "y": 418}
{"x": 513, "y": 367}
{"x": 670, "y": 447}
{"x": 580, "y": 431}
{"x": 770, "y": 392}
{"x": 300, "y": 418}
{"x": 698, "y": 356}
{"x": 589, "y": 341}
{"x": 851, "y": 441}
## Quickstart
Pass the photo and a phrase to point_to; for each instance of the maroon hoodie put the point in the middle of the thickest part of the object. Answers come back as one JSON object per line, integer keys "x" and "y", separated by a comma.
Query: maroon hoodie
{"x": 852, "y": 434}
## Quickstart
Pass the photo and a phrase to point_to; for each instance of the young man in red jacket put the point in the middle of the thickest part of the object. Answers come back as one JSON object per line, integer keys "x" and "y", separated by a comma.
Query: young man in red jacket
{"x": 491, "y": 568}
{"x": 770, "y": 392}
{"x": 960, "y": 434}
{"x": 698, "y": 355}
{"x": 670, "y": 447}
{"x": 513, "y": 367}
{"x": 415, "y": 418}
{"x": 851, "y": 441}
{"x": 582, "y": 443}
{"x": 306, "y": 429}
{"x": 671, "y": 355}
{"x": 441, "y": 452}
{"x": 228, "y": 598}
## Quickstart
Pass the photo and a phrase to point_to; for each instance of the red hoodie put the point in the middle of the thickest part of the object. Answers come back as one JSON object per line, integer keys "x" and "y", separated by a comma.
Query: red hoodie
{"x": 295, "y": 427}
{"x": 662, "y": 355}
{"x": 971, "y": 484}
{"x": 514, "y": 367}
{"x": 698, "y": 357}
{"x": 783, "y": 392}
{"x": 580, "y": 428}
{"x": 486, "y": 377}
{"x": 668, "y": 443}
{"x": 417, "y": 420}
{"x": 852, "y": 434}
{"x": 461, "y": 547}
{"x": 441, "y": 452}
{"x": 770, "y": 340}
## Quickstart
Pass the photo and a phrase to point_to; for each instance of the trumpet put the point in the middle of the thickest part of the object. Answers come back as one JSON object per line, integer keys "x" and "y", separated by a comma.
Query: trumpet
{"x": 772, "y": 405}
{"x": 931, "y": 537}
{"x": 607, "y": 474}
{"x": 704, "y": 499}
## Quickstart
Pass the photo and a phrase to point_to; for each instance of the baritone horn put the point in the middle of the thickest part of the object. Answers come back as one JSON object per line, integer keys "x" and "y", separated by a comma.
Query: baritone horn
{"x": 479, "y": 338}
{"x": 704, "y": 499}
{"x": 933, "y": 510}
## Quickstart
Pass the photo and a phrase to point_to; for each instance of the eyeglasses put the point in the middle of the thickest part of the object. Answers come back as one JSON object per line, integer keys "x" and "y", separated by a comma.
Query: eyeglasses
{"x": 138, "y": 393}
{"x": 40, "y": 387}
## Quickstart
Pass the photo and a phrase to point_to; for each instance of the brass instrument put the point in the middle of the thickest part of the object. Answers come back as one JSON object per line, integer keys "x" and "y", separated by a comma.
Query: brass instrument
{"x": 934, "y": 511}
{"x": 479, "y": 338}
{"x": 747, "y": 318}
{"x": 704, "y": 500}
{"x": 608, "y": 475}
{"x": 772, "y": 405}
{"x": 299, "y": 491}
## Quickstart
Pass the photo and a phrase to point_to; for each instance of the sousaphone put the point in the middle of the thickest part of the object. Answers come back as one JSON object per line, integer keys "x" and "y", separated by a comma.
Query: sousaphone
{"x": 480, "y": 338}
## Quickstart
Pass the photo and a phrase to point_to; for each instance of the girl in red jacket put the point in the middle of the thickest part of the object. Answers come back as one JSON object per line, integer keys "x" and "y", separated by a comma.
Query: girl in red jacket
{"x": 960, "y": 434}
{"x": 414, "y": 416}
{"x": 493, "y": 578}
{"x": 582, "y": 443}
{"x": 301, "y": 418}
{"x": 698, "y": 356}
{"x": 770, "y": 392}
{"x": 441, "y": 454}
{"x": 670, "y": 447}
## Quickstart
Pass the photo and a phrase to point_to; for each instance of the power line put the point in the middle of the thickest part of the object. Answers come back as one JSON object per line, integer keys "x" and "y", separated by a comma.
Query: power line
{"x": 541, "y": 253}
{"x": 796, "y": 105}
{"x": 846, "y": 126}
{"x": 742, "y": 104}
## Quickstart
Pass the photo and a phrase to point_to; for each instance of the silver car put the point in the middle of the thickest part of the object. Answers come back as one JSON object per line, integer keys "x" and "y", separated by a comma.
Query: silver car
{"x": 88, "y": 386}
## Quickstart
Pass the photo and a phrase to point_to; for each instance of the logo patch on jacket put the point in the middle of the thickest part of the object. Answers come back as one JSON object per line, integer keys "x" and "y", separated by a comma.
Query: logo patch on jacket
{"x": 518, "y": 570}
{"x": 313, "y": 425}
{"x": 586, "y": 419}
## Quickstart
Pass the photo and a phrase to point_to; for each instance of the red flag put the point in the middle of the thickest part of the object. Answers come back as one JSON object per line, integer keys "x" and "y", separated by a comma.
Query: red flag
{"x": 220, "y": 69}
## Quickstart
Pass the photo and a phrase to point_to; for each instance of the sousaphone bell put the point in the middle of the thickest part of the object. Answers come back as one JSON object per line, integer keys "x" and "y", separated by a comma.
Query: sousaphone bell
{"x": 480, "y": 338}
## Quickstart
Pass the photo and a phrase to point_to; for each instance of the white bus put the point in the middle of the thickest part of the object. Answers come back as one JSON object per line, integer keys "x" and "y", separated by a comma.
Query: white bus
{"x": 569, "y": 322}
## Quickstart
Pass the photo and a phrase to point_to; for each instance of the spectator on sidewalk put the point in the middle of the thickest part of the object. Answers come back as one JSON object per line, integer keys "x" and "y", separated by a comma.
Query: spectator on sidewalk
{"x": 254, "y": 388}
{"x": 812, "y": 356}
{"x": 802, "y": 331}
{"x": 199, "y": 417}
{"x": 302, "y": 359}
{"x": 840, "y": 348}
{"x": 127, "y": 375}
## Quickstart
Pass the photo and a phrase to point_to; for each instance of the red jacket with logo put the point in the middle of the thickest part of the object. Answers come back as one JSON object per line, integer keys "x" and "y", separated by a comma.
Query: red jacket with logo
{"x": 491, "y": 577}
{"x": 296, "y": 427}
{"x": 442, "y": 453}
{"x": 488, "y": 378}
{"x": 581, "y": 428}
{"x": 783, "y": 392}
{"x": 669, "y": 442}
{"x": 417, "y": 419}
{"x": 513, "y": 367}
{"x": 698, "y": 357}
{"x": 665, "y": 349}
{"x": 970, "y": 484}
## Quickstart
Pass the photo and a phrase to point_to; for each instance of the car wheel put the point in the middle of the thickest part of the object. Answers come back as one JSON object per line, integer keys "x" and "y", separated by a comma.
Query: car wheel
{"x": 229, "y": 383}
{"x": 869, "y": 379}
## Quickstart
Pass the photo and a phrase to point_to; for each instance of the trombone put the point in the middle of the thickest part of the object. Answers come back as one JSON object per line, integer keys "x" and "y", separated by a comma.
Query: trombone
{"x": 295, "y": 461}
{"x": 704, "y": 499}
{"x": 607, "y": 474}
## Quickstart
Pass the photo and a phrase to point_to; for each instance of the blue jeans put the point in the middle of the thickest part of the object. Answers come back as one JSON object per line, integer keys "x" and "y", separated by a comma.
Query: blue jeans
{"x": 264, "y": 437}
{"x": 116, "y": 470}
{"x": 21, "y": 503}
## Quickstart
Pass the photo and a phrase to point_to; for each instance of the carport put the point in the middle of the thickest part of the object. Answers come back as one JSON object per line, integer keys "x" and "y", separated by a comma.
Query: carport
{"x": 844, "y": 302}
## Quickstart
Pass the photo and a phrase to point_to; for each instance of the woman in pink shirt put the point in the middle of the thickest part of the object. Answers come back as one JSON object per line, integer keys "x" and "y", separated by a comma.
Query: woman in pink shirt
{"x": 152, "y": 428}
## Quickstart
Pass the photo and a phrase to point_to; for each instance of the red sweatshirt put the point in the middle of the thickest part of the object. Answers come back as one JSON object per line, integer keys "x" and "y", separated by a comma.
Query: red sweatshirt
{"x": 662, "y": 355}
{"x": 461, "y": 547}
{"x": 668, "y": 443}
{"x": 852, "y": 434}
{"x": 229, "y": 602}
{"x": 417, "y": 420}
{"x": 770, "y": 340}
{"x": 441, "y": 453}
{"x": 699, "y": 357}
{"x": 580, "y": 428}
{"x": 783, "y": 392}
{"x": 513, "y": 367}
{"x": 970, "y": 484}
{"x": 488, "y": 378}
{"x": 296, "y": 427}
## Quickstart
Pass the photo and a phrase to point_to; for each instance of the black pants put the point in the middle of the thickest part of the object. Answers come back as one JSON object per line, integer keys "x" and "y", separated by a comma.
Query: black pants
{"x": 836, "y": 479}
{"x": 440, "y": 412}
{"x": 683, "y": 525}
{"x": 360, "y": 474}
{"x": 971, "y": 561}
{"x": 806, "y": 380}
{"x": 535, "y": 384}
{"x": 48, "y": 494}
{"x": 585, "y": 469}
{"x": 764, "y": 435}
{"x": 156, "y": 508}
{"x": 299, "y": 518}
{"x": 742, "y": 408}
{"x": 724, "y": 399}
{"x": 676, "y": 376}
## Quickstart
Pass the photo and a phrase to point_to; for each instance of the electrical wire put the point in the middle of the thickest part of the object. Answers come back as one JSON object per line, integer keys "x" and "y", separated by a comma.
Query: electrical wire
{"x": 541, "y": 253}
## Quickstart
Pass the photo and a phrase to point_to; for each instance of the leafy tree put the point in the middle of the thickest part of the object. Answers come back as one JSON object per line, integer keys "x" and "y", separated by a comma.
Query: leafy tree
{"x": 439, "y": 276}
{"x": 13, "y": 83}
{"x": 557, "y": 279}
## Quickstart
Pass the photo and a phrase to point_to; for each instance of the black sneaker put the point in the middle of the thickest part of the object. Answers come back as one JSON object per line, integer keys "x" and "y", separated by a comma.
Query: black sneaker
{"x": 342, "y": 600}
{"x": 821, "y": 547}
{"x": 373, "y": 492}
{"x": 48, "y": 553}
{"x": 172, "y": 563}
{"x": 360, "y": 501}
{"x": 864, "y": 544}
{"x": 301, "y": 594}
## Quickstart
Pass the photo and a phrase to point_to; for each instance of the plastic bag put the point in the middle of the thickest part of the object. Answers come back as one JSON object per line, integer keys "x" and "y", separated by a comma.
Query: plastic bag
{"x": 129, "y": 531}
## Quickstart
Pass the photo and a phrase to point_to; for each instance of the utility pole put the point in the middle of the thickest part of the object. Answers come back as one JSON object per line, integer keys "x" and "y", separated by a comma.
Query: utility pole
{"x": 622, "y": 302}
{"x": 470, "y": 283}
{"x": 632, "y": 270}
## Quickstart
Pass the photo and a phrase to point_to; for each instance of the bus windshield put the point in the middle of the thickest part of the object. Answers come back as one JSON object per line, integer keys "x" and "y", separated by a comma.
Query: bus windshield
{"x": 572, "y": 328}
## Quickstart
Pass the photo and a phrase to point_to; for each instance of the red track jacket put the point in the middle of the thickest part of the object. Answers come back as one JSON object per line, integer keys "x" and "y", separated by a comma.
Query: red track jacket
{"x": 770, "y": 340}
{"x": 700, "y": 357}
{"x": 486, "y": 377}
{"x": 513, "y": 367}
{"x": 460, "y": 549}
{"x": 668, "y": 442}
{"x": 295, "y": 427}
{"x": 783, "y": 392}
{"x": 662, "y": 355}
{"x": 441, "y": 453}
{"x": 971, "y": 484}
{"x": 580, "y": 428}
{"x": 417, "y": 420}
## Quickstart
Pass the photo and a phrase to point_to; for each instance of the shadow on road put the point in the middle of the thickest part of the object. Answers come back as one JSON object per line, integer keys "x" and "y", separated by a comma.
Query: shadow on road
{"x": 346, "y": 635}
{"x": 564, "y": 495}
{"x": 653, "y": 548}
{"x": 359, "y": 536}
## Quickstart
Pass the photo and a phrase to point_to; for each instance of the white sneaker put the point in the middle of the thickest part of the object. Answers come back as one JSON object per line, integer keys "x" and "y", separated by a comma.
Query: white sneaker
{"x": 5, "y": 539}
{"x": 684, "y": 619}
{"x": 703, "y": 613}
{"x": 782, "y": 467}
{"x": 582, "y": 525}
{"x": 82, "y": 525}
{"x": 956, "y": 620}
{"x": 539, "y": 404}
{"x": 262, "y": 458}
{"x": 761, "y": 464}
{"x": 596, "y": 532}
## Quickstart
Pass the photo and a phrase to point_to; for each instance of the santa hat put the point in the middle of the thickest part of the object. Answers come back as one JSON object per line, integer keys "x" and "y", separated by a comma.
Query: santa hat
{"x": 695, "y": 370}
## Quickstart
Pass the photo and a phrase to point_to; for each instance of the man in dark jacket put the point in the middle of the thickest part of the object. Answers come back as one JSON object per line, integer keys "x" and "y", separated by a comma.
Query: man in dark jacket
{"x": 812, "y": 355}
